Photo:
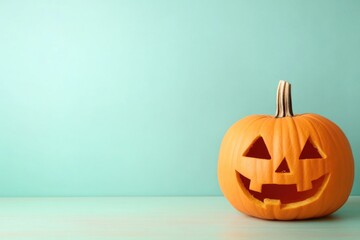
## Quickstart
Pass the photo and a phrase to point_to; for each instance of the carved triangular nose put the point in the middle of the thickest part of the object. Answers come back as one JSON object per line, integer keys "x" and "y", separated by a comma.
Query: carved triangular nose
{"x": 283, "y": 167}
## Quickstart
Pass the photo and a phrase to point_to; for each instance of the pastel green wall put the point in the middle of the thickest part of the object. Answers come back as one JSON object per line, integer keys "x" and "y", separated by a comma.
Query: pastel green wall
{"x": 133, "y": 97}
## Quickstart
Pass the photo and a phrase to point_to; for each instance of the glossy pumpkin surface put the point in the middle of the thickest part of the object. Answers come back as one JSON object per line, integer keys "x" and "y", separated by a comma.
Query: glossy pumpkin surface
{"x": 289, "y": 167}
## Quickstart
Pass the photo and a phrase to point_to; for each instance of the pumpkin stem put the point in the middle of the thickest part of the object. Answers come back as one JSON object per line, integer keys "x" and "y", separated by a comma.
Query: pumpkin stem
{"x": 283, "y": 100}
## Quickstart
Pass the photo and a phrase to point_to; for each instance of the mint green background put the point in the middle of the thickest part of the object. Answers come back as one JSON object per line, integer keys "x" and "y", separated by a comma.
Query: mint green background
{"x": 133, "y": 97}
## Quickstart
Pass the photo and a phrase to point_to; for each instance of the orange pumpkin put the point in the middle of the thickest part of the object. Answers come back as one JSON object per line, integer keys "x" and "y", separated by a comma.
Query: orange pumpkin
{"x": 285, "y": 167}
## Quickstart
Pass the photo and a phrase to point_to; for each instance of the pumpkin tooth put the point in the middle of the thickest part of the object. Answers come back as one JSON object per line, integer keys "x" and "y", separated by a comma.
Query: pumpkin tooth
{"x": 304, "y": 186}
{"x": 255, "y": 186}
{"x": 269, "y": 201}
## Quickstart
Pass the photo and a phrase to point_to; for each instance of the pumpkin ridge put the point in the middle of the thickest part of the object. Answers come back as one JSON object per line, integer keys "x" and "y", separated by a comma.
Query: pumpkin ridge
{"x": 340, "y": 135}
{"x": 233, "y": 133}
{"x": 332, "y": 138}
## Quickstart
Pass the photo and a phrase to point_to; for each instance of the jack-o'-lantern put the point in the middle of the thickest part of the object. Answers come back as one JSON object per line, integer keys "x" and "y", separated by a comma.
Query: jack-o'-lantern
{"x": 285, "y": 167}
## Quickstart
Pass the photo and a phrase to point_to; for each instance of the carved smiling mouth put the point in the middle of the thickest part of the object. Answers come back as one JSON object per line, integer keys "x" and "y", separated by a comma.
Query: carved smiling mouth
{"x": 286, "y": 193}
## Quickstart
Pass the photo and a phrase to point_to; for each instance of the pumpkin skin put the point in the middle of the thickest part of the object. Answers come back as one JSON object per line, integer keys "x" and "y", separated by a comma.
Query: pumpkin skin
{"x": 286, "y": 180}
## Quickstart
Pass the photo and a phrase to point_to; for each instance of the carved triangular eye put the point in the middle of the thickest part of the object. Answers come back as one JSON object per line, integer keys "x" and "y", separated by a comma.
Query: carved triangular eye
{"x": 258, "y": 149}
{"x": 310, "y": 151}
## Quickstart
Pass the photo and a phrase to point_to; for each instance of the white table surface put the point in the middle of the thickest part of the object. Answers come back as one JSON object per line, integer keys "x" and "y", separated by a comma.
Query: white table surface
{"x": 160, "y": 218}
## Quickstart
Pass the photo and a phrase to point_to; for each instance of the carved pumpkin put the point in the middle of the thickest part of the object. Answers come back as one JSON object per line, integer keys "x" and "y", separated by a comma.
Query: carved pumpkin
{"x": 285, "y": 167}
